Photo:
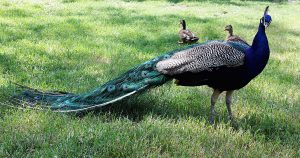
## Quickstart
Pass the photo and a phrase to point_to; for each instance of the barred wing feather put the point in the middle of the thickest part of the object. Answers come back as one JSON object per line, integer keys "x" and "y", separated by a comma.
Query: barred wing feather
{"x": 203, "y": 57}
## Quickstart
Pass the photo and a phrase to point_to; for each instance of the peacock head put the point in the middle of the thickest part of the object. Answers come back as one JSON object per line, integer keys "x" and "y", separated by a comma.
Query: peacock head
{"x": 266, "y": 19}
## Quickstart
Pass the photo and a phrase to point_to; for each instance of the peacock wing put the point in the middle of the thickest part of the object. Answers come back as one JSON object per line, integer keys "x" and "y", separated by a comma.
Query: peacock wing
{"x": 206, "y": 56}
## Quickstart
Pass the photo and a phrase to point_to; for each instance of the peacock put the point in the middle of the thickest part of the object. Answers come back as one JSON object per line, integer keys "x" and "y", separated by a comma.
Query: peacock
{"x": 222, "y": 65}
{"x": 231, "y": 37}
{"x": 185, "y": 35}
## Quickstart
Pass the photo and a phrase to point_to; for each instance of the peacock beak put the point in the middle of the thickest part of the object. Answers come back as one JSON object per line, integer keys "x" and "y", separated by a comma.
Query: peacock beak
{"x": 266, "y": 24}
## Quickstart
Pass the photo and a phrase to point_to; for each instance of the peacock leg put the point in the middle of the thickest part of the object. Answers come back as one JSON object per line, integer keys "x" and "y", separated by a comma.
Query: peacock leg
{"x": 228, "y": 103}
{"x": 214, "y": 98}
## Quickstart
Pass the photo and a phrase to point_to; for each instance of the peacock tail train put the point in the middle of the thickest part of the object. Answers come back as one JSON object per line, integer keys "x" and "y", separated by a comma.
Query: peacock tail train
{"x": 139, "y": 78}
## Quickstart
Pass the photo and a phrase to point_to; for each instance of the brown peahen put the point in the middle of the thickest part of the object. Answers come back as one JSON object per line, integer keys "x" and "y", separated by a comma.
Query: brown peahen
{"x": 231, "y": 37}
{"x": 185, "y": 35}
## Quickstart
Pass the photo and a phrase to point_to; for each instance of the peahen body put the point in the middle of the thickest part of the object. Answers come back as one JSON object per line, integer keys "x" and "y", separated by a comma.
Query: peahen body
{"x": 185, "y": 35}
{"x": 232, "y": 37}
{"x": 223, "y": 66}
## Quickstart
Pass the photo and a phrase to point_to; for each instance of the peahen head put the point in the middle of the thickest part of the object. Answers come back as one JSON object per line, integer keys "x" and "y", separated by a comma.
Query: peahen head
{"x": 228, "y": 28}
{"x": 183, "y": 24}
{"x": 266, "y": 19}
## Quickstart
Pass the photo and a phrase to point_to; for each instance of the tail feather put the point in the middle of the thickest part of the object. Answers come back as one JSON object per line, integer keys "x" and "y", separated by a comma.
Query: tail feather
{"x": 139, "y": 78}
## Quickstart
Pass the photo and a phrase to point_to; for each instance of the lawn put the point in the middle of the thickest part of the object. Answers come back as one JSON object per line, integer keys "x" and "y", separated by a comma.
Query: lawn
{"x": 75, "y": 46}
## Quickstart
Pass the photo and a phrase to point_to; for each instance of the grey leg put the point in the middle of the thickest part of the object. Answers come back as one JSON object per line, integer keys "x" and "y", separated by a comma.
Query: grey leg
{"x": 214, "y": 98}
{"x": 228, "y": 103}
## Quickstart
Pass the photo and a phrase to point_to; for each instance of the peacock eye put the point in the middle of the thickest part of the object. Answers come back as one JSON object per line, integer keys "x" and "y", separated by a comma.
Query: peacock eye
{"x": 166, "y": 56}
{"x": 111, "y": 88}
{"x": 125, "y": 87}
{"x": 144, "y": 73}
{"x": 148, "y": 65}
{"x": 37, "y": 97}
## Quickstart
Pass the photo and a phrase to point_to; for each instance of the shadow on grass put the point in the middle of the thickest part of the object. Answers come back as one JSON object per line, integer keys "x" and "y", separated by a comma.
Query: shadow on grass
{"x": 138, "y": 106}
{"x": 270, "y": 127}
{"x": 262, "y": 123}
{"x": 272, "y": 117}
{"x": 17, "y": 13}
{"x": 9, "y": 64}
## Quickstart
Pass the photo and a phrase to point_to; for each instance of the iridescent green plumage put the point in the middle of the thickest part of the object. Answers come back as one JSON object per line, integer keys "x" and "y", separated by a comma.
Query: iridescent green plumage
{"x": 134, "y": 80}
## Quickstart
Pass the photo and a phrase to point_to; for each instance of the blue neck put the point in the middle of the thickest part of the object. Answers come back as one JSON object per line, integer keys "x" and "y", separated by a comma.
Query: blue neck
{"x": 258, "y": 55}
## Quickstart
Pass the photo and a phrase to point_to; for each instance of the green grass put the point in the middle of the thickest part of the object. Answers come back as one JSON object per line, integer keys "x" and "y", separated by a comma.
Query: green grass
{"x": 74, "y": 46}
